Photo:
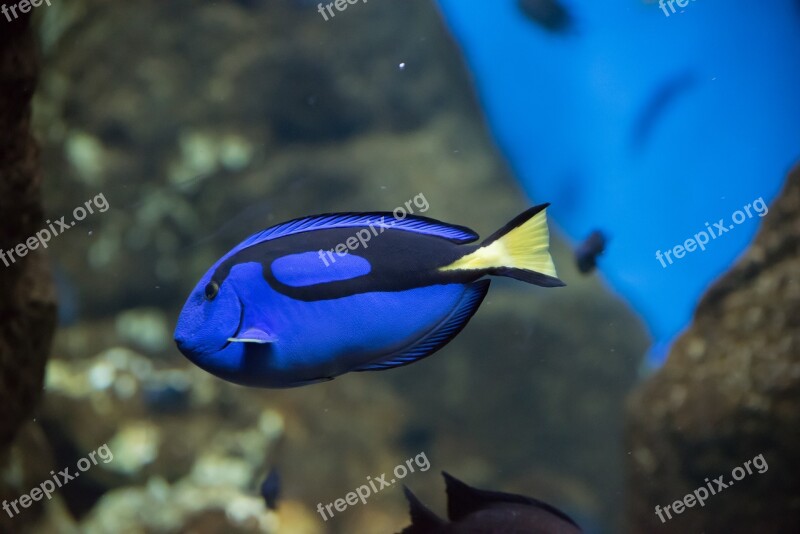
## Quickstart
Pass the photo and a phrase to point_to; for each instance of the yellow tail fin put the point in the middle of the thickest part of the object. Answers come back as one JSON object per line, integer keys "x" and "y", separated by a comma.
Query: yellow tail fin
{"x": 520, "y": 250}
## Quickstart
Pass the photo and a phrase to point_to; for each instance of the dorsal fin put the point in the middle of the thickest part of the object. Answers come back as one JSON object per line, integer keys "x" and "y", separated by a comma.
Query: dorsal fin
{"x": 423, "y": 521}
{"x": 463, "y": 500}
{"x": 385, "y": 220}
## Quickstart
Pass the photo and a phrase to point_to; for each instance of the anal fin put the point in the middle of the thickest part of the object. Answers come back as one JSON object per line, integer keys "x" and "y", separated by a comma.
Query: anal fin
{"x": 440, "y": 335}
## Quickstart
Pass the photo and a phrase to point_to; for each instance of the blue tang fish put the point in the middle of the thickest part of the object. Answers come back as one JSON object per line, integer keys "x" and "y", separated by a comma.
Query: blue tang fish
{"x": 280, "y": 311}
{"x": 647, "y": 119}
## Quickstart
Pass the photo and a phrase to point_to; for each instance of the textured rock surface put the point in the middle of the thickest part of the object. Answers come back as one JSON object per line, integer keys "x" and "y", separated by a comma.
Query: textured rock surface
{"x": 729, "y": 391}
{"x": 27, "y": 306}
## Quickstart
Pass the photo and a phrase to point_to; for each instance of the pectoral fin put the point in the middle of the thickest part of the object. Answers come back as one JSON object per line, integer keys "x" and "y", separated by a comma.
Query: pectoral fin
{"x": 253, "y": 335}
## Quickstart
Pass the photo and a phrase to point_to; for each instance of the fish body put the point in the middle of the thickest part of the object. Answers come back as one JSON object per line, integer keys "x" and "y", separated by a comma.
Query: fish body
{"x": 285, "y": 309}
{"x": 472, "y": 510}
{"x": 271, "y": 488}
{"x": 586, "y": 253}
{"x": 674, "y": 118}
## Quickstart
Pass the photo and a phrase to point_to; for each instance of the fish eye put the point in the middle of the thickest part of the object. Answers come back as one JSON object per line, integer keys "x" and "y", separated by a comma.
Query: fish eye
{"x": 211, "y": 290}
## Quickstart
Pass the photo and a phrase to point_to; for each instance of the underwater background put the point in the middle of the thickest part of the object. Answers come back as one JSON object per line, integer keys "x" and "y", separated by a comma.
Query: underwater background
{"x": 186, "y": 126}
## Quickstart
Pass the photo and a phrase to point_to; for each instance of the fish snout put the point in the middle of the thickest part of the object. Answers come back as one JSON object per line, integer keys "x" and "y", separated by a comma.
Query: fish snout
{"x": 183, "y": 337}
{"x": 180, "y": 340}
{"x": 204, "y": 326}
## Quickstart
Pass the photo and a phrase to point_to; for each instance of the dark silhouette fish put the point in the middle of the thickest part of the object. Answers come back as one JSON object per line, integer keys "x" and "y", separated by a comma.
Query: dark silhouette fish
{"x": 271, "y": 488}
{"x": 472, "y": 510}
{"x": 587, "y": 252}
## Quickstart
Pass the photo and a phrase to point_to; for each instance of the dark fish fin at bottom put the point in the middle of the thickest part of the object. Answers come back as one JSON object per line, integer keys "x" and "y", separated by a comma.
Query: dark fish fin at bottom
{"x": 463, "y": 500}
{"x": 531, "y": 277}
{"x": 440, "y": 335}
{"x": 423, "y": 521}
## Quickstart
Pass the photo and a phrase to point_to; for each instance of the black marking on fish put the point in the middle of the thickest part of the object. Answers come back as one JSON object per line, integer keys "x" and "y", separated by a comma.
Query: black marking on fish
{"x": 657, "y": 107}
{"x": 551, "y": 15}
{"x": 399, "y": 260}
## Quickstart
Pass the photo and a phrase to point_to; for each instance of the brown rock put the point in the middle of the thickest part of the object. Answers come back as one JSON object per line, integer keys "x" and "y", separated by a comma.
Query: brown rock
{"x": 27, "y": 308}
{"x": 729, "y": 392}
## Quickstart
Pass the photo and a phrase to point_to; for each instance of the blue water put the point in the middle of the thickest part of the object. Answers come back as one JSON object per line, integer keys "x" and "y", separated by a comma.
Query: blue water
{"x": 645, "y": 126}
